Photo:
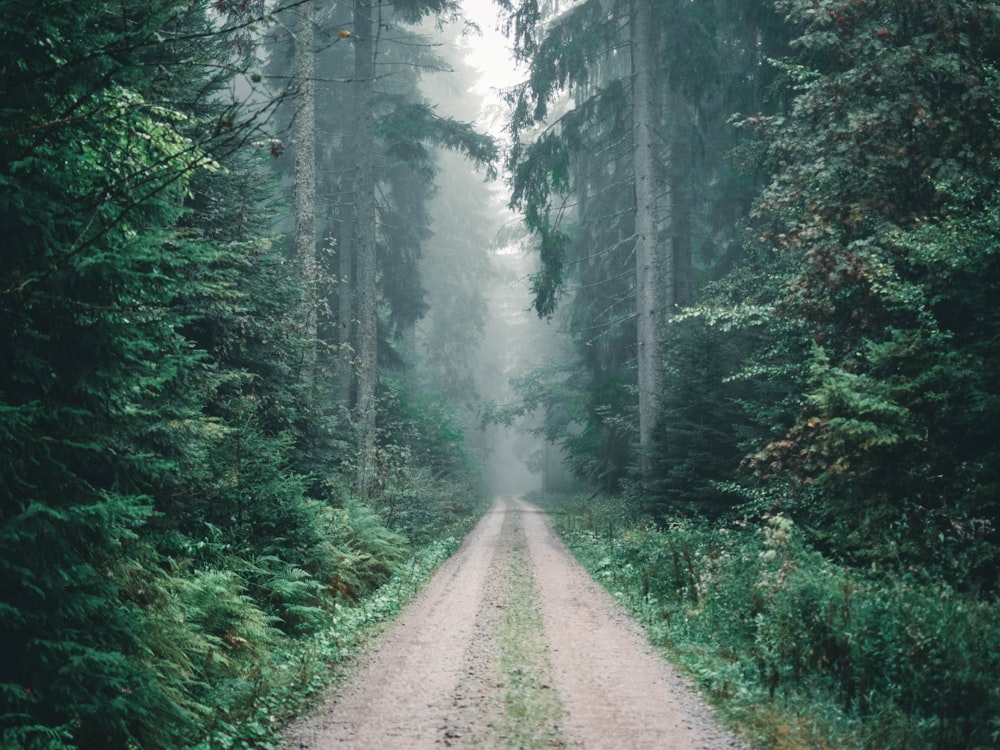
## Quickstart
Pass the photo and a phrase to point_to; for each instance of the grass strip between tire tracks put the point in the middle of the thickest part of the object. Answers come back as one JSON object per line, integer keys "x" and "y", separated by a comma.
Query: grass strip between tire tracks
{"x": 533, "y": 711}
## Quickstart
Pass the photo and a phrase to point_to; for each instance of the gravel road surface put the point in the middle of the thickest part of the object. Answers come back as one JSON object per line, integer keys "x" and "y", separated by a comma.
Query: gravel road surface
{"x": 512, "y": 645}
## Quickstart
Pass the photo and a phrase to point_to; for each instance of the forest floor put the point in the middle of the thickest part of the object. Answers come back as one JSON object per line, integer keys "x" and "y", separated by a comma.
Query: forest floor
{"x": 511, "y": 645}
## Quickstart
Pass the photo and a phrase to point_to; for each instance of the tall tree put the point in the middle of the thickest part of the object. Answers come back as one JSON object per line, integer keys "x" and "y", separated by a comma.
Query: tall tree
{"x": 106, "y": 125}
{"x": 384, "y": 175}
{"x": 364, "y": 243}
{"x": 651, "y": 257}
{"x": 609, "y": 160}
{"x": 304, "y": 140}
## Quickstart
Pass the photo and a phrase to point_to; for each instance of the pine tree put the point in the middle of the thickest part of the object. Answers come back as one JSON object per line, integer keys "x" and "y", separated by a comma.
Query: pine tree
{"x": 304, "y": 138}
{"x": 379, "y": 181}
{"x": 618, "y": 164}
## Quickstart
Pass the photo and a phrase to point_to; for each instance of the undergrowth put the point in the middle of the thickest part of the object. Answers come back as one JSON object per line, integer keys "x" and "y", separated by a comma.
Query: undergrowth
{"x": 795, "y": 650}
{"x": 287, "y": 679}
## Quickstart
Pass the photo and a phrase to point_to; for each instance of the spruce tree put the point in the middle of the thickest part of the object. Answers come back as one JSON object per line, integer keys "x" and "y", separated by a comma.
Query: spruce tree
{"x": 615, "y": 158}
{"x": 883, "y": 182}
{"x": 100, "y": 147}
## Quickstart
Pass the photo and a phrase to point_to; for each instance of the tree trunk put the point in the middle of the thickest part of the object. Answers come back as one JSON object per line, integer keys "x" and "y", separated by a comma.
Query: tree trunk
{"x": 649, "y": 284}
{"x": 677, "y": 181}
{"x": 345, "y": 313}
{"x": 304, "y": 142}
{"x": 364, "y": 246}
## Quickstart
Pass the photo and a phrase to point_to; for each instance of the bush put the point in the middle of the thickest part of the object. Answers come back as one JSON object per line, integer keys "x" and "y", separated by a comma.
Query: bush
{"x": 780, "y": 635}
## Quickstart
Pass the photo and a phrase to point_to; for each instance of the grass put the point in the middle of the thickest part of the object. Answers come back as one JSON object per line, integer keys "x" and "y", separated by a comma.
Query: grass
{"x": 533, "y": 711}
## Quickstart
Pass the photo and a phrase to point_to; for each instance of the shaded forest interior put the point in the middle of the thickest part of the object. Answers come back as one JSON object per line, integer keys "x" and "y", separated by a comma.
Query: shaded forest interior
{"x": 267, "y": 350}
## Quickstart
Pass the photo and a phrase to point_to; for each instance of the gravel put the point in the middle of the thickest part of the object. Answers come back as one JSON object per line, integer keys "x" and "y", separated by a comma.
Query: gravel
{"x": 442, "y": 675}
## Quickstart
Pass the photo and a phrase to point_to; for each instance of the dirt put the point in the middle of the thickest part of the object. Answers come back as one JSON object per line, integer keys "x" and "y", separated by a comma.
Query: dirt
{"x": 512, "y": 645}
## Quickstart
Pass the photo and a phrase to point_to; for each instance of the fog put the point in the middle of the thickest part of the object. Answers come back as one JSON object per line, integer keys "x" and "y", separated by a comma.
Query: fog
{"x": 454, "y": 262}
{"x": 487, "y": 246}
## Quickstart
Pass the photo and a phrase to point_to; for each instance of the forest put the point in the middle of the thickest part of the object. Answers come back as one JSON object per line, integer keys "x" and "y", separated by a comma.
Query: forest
{"x": 267, "y": 354}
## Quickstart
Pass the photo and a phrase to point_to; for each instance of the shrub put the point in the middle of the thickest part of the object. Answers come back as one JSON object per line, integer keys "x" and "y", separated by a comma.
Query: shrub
{"x": 780, "y": 634}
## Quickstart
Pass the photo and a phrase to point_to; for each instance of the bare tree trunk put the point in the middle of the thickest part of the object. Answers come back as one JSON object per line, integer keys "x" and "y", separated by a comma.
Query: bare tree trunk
{"x": 346, "y": 241}
{"x": 648, "y": 271}
{"x": 364, "y": 247}
{"x": 345, "y": 314}
{"x": 681, "y": 291}
{"x": 304, "y": 141}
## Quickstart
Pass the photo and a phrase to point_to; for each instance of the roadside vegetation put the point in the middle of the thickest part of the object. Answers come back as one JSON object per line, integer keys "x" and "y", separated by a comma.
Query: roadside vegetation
{"x": 795, "y": 650}
{"x": 283, "y": 676}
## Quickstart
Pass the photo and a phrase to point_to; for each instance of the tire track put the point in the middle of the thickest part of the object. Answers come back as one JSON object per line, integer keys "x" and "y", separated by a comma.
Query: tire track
{"x": 512, "y": 645}
{"x": 620, "y": 694}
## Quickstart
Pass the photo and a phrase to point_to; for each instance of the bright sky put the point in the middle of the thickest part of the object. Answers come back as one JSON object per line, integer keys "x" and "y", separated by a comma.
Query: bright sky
{"x": 490, "y": 52}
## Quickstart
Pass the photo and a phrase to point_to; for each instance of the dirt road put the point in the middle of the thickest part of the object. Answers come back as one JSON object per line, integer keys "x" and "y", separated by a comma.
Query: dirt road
{"x": 512, "y": 645}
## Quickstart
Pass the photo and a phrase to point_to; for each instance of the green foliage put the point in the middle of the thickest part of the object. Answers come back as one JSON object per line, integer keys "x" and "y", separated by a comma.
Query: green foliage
{"x": 571, "y": 166}
{"x": 594, "y": 422}
{"x": 172, "y": 532}
{"x": 776, "y": 632}
{"x": 93, "y": 173}
{"x": 880, "y": 169}
{"x": 279, "y": 683}
{"x": 427, "y": 485}
{"x": 564, "y": 56}
{"x": 410, "y": 128}
{"x": 705, "y": 428}
{"x": 410, "y": 136}
{"x": 87, "y": 665}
